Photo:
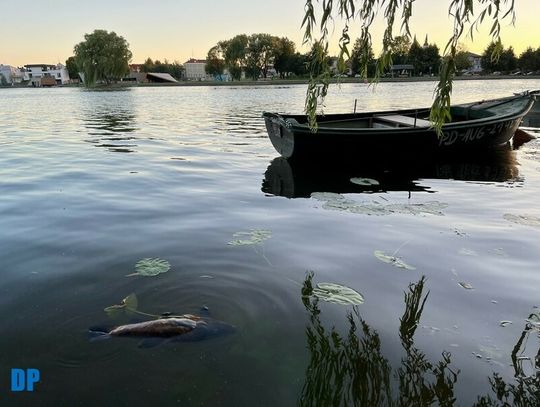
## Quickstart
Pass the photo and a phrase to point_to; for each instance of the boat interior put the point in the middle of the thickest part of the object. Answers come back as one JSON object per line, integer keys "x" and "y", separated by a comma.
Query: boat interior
{"x": 415, "y": 118}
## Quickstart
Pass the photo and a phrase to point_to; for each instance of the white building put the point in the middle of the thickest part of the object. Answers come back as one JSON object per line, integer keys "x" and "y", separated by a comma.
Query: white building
{"x": 476, "y": 62}
{"x": 195, "y": 70}
{"x": 36, "y": 72}
{"x": 11, "y": 74}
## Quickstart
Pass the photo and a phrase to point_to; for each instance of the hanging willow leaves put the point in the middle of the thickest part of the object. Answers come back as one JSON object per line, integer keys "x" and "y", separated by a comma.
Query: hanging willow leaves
{"x": 364, "y": 13}
{"x": 337, "y": 294}
{"x": 150, "y": 267}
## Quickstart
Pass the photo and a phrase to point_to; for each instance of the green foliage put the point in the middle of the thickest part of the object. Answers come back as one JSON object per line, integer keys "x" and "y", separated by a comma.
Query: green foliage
{"x": 72, "y": 68}
{"x": 529, "y": 60}
{"x": 362, "y": 59}
{"x": 462, "y": 61}
{"x": 215, "y": 64}
{"x": 234, "y": 52}
{"x": 102, "y": 56}
{"x": 150, "y": 267}
{"x": 496, "y": 58}
{"x": 366, "y": 12}
{"x": 3, "y": 80}
{"x": 259, "y": 54}
{"x": 175, "y": 69}
{"x": 283, "y": 55}
{"x": 337, "y": 294}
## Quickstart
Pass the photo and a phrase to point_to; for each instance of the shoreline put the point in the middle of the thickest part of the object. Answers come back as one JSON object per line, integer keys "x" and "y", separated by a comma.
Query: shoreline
{"x": 278, "y": 82}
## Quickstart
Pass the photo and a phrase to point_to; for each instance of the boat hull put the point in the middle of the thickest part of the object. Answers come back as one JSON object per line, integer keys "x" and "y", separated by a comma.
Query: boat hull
{"x": 292, "y": 139}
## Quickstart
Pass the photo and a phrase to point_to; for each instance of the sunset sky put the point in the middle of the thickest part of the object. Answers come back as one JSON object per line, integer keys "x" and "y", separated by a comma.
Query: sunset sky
{"x": 46, "y": 31}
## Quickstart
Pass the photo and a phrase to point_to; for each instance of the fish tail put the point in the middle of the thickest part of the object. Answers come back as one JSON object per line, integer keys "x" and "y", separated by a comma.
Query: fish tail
{"x": 98, "y": 335}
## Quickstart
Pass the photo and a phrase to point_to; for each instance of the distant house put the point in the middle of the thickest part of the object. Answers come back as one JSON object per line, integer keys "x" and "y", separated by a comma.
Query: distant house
{"x": 476, "y": 63}
{"x": 11, "y": 74}
{"x": 195, "y": 70}
{"x": 401, "y": 70}
{"x": 36, "y": 72}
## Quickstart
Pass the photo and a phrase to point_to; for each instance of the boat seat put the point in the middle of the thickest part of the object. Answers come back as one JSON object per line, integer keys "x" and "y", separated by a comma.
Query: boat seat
{"x": 406, "y": 121}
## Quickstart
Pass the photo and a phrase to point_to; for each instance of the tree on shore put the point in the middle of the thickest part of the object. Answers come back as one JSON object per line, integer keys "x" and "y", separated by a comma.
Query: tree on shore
{"x": 215, "y": 64}
{"x": 529, "y": 60}
{"x": 284, "y": 52}
{"x": 102, "y": 56}
{"x": 467, "y": 16}
{"x": 505, "y": 61}
{"x": 71, "y": 66}
{"x": 234, "y": 53}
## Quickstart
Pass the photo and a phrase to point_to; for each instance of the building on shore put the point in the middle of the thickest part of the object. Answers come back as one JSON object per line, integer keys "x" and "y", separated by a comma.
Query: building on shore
{"x": 195, "y": 70}
{"x": 46, "y": 75}
{"x": 10, "y": 75}
{"x": 476, "y": 63}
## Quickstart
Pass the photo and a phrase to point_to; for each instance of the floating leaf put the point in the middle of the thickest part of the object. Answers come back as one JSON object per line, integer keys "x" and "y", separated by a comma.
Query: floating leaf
{"x": 255, "y": 236}
{"x": 393, "y": 260}
{"x": 466, "y": 286}
{"x": 365, "y": 182}
{"x": 523, "y": 219}
{"x": 129, "y": 303}
{"x": 505, "y": 323}
{"x": 150, "y": 267}
{"x": 337, "y": 202}
{"x": 467, "y": 252}
{"x": 337, "y": 294}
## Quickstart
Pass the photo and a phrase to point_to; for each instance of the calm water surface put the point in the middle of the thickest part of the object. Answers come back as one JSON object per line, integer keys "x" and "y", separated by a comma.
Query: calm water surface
{"x": 93, "y": 182}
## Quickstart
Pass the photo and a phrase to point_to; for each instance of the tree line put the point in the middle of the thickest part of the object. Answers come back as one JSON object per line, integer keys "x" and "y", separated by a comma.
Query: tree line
{"x": 253, "y": 54}
{"x": 105, "y": 56}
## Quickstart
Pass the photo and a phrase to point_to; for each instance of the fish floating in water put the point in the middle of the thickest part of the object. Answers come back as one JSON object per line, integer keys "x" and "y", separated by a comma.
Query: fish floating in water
{"x": 184, "y": 328}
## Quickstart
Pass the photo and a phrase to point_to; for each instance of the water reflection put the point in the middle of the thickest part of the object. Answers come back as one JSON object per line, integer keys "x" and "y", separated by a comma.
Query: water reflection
{"x": 351, "y": 369}
{"x": 112, "y": 126}
{"x": 525, "y": 390}
{"x": 299, "y": 179}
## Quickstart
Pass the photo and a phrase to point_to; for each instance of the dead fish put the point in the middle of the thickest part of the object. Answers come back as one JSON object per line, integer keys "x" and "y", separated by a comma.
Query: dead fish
{"x": 184, "y": 328}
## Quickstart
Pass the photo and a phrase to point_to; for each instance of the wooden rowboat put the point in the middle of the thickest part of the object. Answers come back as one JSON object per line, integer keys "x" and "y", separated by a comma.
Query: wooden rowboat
{"x": 478, "y": 125}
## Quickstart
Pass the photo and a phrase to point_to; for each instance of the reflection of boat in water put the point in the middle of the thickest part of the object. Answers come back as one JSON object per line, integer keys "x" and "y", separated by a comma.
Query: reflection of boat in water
{"x": 297, "y": 179}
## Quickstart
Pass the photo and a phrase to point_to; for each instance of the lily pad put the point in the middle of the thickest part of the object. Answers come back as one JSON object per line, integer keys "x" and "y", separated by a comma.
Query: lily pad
{"x": 338, "y": 294}
{"x": 150, "y": 267}
{"x": 365, "y": 182}
{"x": 337, "y": 202}
{"x": 129, "y": 303}
{"x": 523, "y": 219}
{"x": 393, "y": 260}
{"x": 253, "y": 237}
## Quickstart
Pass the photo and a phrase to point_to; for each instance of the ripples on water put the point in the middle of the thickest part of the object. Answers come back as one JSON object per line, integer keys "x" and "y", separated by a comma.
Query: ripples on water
{"x": 196, "y": 167}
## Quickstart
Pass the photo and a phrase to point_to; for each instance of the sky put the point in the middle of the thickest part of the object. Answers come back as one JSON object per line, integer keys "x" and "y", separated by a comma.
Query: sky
{"x": 176, "y": 30}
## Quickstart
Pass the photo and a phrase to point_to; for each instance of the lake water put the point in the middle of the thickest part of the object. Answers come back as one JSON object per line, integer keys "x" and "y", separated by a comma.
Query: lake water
{"x": 92, "y": 182}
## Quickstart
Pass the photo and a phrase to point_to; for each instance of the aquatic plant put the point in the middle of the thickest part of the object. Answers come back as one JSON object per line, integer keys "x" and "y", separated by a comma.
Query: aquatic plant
{"x": 150, "y": 267}
{"x": 393, "y": 260}
{"x": 337, "y": 294}
{"x": 254, "y": 236}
